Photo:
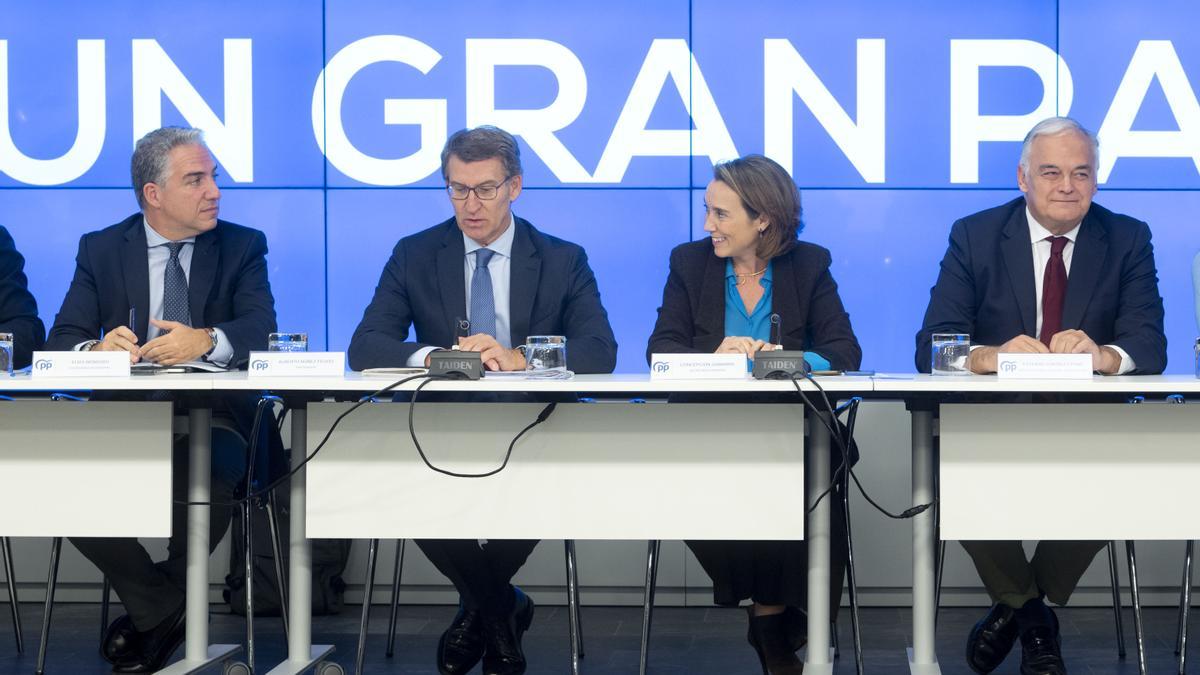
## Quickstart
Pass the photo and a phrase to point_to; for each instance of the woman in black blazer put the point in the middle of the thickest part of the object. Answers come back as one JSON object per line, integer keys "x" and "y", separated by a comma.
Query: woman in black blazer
{"x": 719, "y": 297}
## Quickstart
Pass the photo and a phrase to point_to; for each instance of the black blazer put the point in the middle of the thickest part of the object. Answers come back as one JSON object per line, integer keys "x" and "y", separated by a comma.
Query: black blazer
{"x": 803, "y": 294}
{"x": 986, "y": 285}
{"x": 18, "y": 309}
{"x": 552, "y": 292}
{"x": 227, "y": 286}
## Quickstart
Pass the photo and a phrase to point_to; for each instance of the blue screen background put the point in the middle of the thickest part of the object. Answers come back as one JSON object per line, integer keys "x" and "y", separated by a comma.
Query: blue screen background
{"x": 330, "y": 234}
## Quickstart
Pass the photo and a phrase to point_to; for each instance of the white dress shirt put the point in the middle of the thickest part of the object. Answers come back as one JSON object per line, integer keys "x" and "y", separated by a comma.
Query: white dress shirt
{"x": 500, "y": 268}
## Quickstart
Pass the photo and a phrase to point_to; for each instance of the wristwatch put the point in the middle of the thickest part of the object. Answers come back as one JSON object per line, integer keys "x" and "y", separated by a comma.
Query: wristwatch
{"x": 212, "y": 334}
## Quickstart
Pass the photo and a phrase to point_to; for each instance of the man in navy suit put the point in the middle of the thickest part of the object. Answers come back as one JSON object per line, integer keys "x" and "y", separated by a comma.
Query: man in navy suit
{"x": 510, "y": 281}
{"x": 18, "y": 309}
{"x": 1050, "y": 272}
{"x": 196, "y": 289}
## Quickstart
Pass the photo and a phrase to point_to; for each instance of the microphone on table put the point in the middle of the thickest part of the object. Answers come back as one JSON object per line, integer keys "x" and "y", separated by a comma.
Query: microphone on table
{"x": 454, "y": 362}
{"x": 779, "y": 364}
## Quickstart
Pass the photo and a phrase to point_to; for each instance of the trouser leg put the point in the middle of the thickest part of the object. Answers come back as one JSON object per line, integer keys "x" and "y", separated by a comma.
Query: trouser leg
{"x": 482, "y": 573}
{"x": 150, "y": 591}
{"x": 1058, "y": 566}
{"x": 1004, "y": 570}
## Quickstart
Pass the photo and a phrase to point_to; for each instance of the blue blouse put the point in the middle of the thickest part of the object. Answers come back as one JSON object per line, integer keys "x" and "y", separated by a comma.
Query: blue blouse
{"x": 756, "y": 324}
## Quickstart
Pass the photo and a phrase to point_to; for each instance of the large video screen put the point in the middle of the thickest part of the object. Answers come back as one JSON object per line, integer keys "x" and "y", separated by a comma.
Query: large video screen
{"x": 328, "y": 119}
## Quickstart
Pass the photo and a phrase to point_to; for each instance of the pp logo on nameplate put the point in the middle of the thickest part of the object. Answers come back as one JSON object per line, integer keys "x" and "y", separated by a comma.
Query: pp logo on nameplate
{"x": 1044, "y": 366}
{"x": 296, "y": 364}
{"x": 698, "y": 366}
{"x": 80, "y": 364}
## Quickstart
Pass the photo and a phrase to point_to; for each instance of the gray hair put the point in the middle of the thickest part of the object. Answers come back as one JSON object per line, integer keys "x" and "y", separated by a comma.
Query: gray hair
{"x": 149, "y": 164}
{"x": 1053, "y": 126}
{"x": 480, "y": 143}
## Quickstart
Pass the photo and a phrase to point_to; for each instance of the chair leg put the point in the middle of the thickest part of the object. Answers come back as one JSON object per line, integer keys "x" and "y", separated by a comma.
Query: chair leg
{"x": 852, "y": 583}
{"x": 51, "y": 582}
{"x": 391, "y": 641}
{"x": 277, "y": 550}
{"x": 1185, "y": 606}
{"x": 937, "y": 582}
{"x": 1137, "y": 607}
{"x": 13, "y": 603}
{"x": 368, "y": 590}
{"x": 1115, "y": 582}
{"x": 248, "y": 547}
{"x": 648, "y": 608}
{"x": 105, "y": 606}
{"x": 573, "y": 605}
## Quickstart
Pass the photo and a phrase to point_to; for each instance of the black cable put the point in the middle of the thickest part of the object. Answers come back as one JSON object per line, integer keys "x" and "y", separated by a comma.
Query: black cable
{"x": 252, "y": 494}
{"x": 843, "y": 444}
{"x": 369, "y": 398}
{"x": 412, "y": 431}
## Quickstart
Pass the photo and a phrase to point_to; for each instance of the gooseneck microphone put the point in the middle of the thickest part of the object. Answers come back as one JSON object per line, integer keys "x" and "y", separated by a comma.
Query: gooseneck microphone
{"x": 455, "y": 363}
{"x": 779, "y": 364}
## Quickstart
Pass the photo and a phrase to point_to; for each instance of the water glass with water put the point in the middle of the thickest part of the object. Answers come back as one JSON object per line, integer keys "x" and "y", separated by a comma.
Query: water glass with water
{"x": 1197, "y": 357}
{"x": 950, "y": 353}
{"x": 287, "y": 342}
{"x": 6, "y": 353}
{"x": 546, "y": 353}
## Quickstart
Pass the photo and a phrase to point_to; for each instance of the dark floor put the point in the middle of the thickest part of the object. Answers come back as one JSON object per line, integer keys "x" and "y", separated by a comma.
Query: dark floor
{"x": 692, "y": 641}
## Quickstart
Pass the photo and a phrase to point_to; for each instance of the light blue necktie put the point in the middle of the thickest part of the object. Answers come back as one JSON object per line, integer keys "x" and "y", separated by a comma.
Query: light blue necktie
{"x": 175, "y": 289}
{"x": 483, "y": 302}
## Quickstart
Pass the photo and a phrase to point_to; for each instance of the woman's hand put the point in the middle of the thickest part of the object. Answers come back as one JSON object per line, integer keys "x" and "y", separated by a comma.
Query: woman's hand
{"x": 740, "y": 345}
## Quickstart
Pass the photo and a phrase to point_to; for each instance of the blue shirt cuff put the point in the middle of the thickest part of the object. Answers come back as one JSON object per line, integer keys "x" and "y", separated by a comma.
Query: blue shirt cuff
{"x": 816, "y": 361}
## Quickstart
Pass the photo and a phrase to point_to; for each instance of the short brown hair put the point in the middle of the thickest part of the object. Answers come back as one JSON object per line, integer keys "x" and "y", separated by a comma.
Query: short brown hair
{"x": 480, "y": 143}
{"x": 765, "y": 189}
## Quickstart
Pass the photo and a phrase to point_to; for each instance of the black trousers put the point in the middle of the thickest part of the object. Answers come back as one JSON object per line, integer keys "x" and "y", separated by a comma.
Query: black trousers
{"x": 482, "y": 573}
{"x": 151, "y": 591}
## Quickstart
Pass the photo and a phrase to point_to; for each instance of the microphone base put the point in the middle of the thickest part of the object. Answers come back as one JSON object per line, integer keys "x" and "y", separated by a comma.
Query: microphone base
{"x": 782, "y": 364}
{"x": 456, "y": 364}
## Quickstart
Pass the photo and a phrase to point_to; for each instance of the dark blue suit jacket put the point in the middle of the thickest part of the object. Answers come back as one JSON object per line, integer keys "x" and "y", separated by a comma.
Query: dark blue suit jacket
{"x": 552, "y": 292}
{"x": 986, "y": 285}
{"x": 227, "y": 286}
{"x": 803, "y": 294}
{"x": 18, "y": 309}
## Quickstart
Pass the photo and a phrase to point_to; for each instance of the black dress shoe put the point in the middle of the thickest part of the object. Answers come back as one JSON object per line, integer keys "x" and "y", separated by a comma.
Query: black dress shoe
{"x": 502, "y": 654}
{"x": 991, "y": 639}
{"x": 461, "y": 645}
{"x": 120, "y": 640}
{"x": 797, "y": 627}
{"x": 772, "y": 637}
{"x": 1041, "y": 650}
{"x": 157, "y": 645}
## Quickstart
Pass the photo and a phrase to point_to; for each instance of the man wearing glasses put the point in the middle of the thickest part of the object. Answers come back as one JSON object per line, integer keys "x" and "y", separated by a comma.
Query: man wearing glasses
{"x": 510, "y": 281}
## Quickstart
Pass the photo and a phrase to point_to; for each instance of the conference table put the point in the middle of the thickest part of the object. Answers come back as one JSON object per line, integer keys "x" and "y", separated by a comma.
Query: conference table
{"x": 980, "y": 420}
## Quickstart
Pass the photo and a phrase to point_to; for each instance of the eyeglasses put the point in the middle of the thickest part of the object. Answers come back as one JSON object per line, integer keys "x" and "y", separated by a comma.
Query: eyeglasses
{"x": 486, "y": 192}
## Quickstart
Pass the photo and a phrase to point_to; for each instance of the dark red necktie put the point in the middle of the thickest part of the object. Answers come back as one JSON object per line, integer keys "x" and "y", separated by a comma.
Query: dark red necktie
{"x": 1054, "y": 289}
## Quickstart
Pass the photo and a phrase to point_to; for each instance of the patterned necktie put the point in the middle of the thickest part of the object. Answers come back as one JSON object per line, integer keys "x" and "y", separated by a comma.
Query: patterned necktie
{"x": 483, "y": 302}
{"x": 1054, "y": 289}
{"x": 175, "y": 289}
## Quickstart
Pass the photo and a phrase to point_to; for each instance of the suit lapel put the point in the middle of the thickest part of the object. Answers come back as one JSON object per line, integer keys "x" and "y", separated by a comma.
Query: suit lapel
{"x": 135, "y": 266}
{"x": 783, "y": 293}
{"x": 524, "y": 274}
{"x": 710, "y": 315}
{"x": 1091, "y": 247}
{"x": 1018, "y": 260}
{"x": 450, "y": 278}
{"x": 205, "y": 257}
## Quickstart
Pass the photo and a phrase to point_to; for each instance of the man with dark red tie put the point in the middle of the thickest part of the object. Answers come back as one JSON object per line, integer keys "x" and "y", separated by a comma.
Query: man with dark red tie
{"x": 1049, "y": 272}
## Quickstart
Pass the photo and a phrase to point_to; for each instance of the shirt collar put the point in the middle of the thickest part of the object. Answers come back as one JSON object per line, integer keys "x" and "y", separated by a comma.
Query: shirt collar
{"x": 154, "y": 239}
{"x": 503, "y": 245}
{"x": 1038, "y": 233}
